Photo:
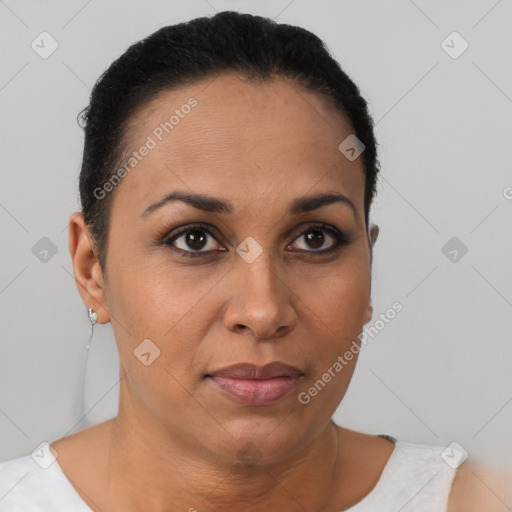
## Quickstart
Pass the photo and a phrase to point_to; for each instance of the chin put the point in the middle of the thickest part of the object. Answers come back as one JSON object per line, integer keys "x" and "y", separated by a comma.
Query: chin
{"x": 262, "y": 441}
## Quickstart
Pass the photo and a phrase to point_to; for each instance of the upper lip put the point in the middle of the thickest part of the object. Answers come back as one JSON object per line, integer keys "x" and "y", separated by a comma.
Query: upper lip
{"x": 252, "y": 371}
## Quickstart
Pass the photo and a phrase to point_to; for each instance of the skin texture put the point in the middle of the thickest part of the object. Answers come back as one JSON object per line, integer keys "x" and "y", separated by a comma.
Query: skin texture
{"x": 258, "y": 146}
{"x": 481, "y": 487}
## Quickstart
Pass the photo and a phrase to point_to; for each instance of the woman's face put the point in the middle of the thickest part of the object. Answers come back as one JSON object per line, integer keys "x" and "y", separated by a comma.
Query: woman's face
{"x": 248, "y": 287}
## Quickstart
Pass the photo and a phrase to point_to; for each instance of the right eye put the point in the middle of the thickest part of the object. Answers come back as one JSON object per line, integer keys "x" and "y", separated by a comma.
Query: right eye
{"x": 192, "y": 240}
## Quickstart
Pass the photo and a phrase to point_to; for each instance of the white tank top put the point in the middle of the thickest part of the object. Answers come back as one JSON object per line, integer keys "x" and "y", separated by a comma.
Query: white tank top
{"x": 415, "y": 478}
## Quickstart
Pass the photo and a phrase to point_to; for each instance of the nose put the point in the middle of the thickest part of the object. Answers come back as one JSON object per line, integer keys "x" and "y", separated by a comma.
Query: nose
{"x": 260, "y": 304}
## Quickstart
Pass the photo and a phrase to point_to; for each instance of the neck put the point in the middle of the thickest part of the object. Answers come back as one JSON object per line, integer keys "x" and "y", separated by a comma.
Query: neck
{"x": 163, "y": 472}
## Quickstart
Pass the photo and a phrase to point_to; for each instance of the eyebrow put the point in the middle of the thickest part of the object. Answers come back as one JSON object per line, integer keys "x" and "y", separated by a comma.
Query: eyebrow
{"x": 213, "y": 205}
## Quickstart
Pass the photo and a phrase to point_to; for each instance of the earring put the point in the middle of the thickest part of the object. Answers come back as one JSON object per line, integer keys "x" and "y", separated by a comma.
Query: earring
{"x": 93, "y": 317}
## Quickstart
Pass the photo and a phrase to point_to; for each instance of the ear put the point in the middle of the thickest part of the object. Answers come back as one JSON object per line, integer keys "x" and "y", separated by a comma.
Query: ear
{"x": 86, "y": 267}
{"x": 373, "y": 235}
{"x": 368, "y": 315}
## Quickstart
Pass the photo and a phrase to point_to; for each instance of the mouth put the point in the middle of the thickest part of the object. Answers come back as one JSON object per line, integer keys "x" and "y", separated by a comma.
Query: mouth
{"x": 256, "y": 385}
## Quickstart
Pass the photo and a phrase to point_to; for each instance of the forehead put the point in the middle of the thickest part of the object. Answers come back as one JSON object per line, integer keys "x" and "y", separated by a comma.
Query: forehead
{"x": 230, "y": 137}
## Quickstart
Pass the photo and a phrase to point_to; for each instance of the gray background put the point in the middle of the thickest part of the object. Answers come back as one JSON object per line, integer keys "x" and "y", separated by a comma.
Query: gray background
{"x": 441, "y": 370}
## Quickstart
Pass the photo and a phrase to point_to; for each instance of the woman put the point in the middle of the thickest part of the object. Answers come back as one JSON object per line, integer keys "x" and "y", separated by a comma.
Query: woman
{"x": 228, "y": 172}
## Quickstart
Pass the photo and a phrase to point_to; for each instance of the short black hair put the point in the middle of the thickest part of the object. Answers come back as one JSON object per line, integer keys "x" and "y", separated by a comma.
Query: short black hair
{"x": 177, "y": 55}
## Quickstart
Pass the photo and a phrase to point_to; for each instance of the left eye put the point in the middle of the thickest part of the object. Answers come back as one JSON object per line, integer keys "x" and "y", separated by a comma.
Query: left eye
{"x": 314, "y": 237}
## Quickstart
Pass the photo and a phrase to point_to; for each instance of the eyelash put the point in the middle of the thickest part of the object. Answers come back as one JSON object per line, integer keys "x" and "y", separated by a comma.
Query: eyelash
{"x": 340, "y": 239}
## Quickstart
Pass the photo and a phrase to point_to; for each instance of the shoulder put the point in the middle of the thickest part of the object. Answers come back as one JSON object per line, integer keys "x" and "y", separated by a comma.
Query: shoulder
{"x": 478, "y": 487}
{"x": 405, "y": 475}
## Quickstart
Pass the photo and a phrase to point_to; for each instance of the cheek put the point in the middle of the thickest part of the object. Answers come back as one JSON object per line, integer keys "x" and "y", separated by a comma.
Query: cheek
{"x": 337, "y": 307}
{"x": 340, "y": 298}
{"x": 173, "y": 314}
{"x": 324, "y": 390}
{"x": 333, "y": 354}
{"x": 154, "y": 298}
{"x": 176, "y": 308}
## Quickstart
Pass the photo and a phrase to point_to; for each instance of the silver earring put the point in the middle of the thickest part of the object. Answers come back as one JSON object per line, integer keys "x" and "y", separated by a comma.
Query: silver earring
{"x": 93, "y": 317}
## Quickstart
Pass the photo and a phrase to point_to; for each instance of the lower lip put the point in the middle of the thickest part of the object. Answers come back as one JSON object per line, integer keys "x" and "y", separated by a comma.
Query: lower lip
{"x": 254, "y": 391}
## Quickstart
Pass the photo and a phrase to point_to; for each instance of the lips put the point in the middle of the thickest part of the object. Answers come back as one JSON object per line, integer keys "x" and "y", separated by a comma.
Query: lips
{"x": 256, "y": 385}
